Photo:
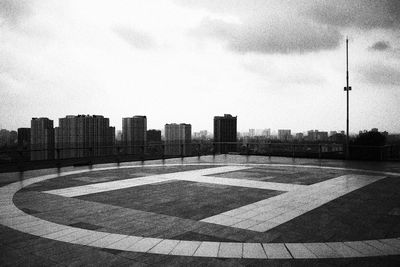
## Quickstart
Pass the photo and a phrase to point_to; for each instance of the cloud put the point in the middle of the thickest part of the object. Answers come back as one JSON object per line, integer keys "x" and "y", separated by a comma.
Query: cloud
{"x": 381, "y": 46}
{"x": 11, "y": 11}
{"x": 381, "y": 74}
{"x": 135, "y": 38}
{"x": 362, "y": 14}
{"x": 292, "y": 26}
{"x": 274, "y": 35}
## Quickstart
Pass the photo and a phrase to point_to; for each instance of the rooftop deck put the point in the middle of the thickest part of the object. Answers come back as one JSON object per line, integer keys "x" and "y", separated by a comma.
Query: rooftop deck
{"x": 213, "y": 210}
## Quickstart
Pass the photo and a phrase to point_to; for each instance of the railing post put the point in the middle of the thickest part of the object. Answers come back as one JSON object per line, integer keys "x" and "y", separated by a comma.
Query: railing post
{"x": 293, "y": 150}
{"x": 247, "y": 149}
{"x": 198, "y": 150}
{"x": 58, "y": 159}
{"x": 118, "y": 159}
{"x": 319, "y": 151}
{"x": 270, "y": 149}
{"x": 163, "y": 151}
{"x": 20, "y": 161}
{"x": 91, "y": 157}
{"x": 213, "y": 149}
{"x": 181, "y": 145}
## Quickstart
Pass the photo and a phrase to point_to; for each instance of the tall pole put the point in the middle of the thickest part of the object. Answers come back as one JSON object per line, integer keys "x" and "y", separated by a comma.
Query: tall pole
{"x": 347, "y": 89}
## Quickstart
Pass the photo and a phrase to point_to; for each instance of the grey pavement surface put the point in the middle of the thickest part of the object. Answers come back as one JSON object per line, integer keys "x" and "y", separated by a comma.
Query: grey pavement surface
{"x": 356, "y": 221}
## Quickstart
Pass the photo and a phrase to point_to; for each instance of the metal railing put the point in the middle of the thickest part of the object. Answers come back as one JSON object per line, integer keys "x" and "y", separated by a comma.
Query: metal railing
{"x": 24, "y": 159}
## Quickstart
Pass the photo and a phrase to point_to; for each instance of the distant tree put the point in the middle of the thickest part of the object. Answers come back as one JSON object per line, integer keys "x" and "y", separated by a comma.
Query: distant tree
{"x": 370, "y": 139}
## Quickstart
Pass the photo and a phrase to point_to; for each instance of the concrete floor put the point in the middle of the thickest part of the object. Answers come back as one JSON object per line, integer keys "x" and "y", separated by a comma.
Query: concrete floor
{"x": 200, "y": 211}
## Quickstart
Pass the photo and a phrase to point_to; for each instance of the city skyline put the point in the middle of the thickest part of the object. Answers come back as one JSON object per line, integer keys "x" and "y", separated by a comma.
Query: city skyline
{"x": 186, "y": 61}
{"x": 254, "y": 131}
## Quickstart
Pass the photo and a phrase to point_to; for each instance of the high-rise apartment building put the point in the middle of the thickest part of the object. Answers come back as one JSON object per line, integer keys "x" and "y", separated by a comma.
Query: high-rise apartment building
{"x": 225, "y": 133}
{"x": 42, "y": 139}
{"x": 84, "y": 136}
{"x": 284, "y": 135}
{"x": 134, "y": 132}
{"x": 178, "y": 138}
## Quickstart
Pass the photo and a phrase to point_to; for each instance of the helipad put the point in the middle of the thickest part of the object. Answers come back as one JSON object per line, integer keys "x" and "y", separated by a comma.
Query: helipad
{"x": 205, "y": 210}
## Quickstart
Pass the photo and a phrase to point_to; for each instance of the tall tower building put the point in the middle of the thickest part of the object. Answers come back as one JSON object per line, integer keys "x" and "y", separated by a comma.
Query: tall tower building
{"x": 42, "y": 139}
{"x": 84, "y": 136}
{"x": 134, "y": 132}
{"x": 225, "y": 133}
{"x": 178, "y": 138}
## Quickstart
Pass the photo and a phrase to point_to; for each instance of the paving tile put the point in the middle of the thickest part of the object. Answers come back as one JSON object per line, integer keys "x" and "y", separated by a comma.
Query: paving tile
{"x": 61, "y": 233}
{"x": 394, "y": 242}
{"x": 144, "y": 244}
{"x": 263, "y": 227}
{"x": 107, "y": 240}
{"x": 207, "y": 249}
{"x": 230, "y": 250}
{"x": 246, "y": 215}
{"x": 186, "y": 248}
{"x": 164, "y": 247}
{"x": 46, "y": 229}
{"x": 299, "y": 251}
{"x": 124, "y": 243}
{"x": 253, "y": 251}
{"x": 276, "y": 251}
{"x": 74, "y": 235}
{"x": 343, "y": 250}
{"x": 246, "y": 224}
{"x": 387, "y": 249}
{"x": 94, "y": 236}
{"x": 364, "y": 248}
{"x": 322, "y": 250}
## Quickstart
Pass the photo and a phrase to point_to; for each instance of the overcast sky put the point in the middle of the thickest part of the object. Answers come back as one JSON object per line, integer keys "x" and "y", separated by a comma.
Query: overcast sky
{"x": 274, "y": 64}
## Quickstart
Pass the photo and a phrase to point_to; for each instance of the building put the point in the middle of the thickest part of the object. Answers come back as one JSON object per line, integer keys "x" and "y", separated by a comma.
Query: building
{"x": 84, "y": 136}
{"x": 178, "y": 138}
{"x": 134, "y": 134}
{"x": 42, "y": 139}
{"x": 252, "y": 132}
{"x": 331, "y": 133}
{"x": 284, "y": 135}
{"x": 338, "y": 138}
{"x": 266, "y": 133}
{"x": 225, "y": 133}
{"x": 201, "y": 135}
{"x": 118, "y": 136}
{"x": 299, "y": 136}
{"x": 322, "y": 136}
{"x": 315, "y": 135}
{"x": 24, "y": 138}
{"x": 153, "y": 137}
{"x": 8, "y": 138}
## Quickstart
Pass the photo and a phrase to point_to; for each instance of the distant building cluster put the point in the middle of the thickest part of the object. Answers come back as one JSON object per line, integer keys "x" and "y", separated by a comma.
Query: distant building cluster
{"x": 91, "y": 135}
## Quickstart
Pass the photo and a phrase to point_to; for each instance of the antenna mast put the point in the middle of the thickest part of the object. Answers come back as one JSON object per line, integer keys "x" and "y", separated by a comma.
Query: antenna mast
{"x": 347, "y": 89}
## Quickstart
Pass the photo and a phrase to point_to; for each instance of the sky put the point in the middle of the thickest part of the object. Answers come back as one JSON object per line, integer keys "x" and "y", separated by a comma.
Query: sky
{"x": 273, "y": 64}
